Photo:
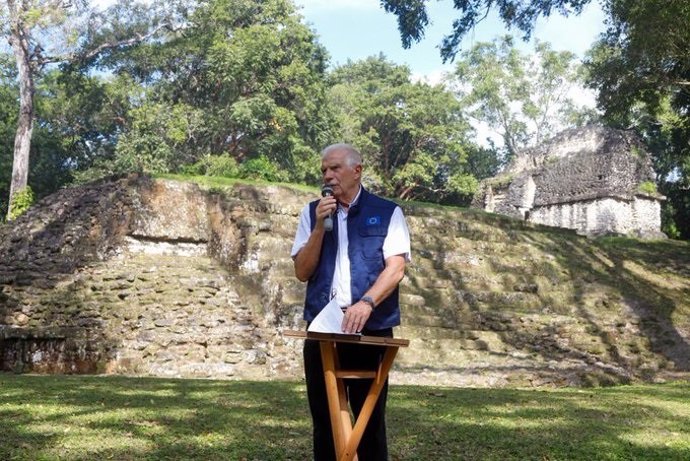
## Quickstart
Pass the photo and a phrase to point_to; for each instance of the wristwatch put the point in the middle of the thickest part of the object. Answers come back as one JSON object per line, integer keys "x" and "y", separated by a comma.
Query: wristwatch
{"x": 368, "y": 300}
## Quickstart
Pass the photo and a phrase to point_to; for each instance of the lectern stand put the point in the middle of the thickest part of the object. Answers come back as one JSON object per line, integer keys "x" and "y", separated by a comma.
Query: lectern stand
{"x": 345, "y": 435}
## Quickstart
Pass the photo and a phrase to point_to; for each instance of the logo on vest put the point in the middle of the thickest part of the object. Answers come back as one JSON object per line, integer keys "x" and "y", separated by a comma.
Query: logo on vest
{"x": 374, "y": 221}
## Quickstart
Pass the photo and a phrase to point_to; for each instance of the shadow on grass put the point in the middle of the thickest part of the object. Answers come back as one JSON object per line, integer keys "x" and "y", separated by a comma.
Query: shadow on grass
{"x": 86, "y": 418}
{"x": 618, "y": 423}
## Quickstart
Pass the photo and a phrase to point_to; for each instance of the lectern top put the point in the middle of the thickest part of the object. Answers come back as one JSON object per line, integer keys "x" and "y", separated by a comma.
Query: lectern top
{"x": 343, "y": 338}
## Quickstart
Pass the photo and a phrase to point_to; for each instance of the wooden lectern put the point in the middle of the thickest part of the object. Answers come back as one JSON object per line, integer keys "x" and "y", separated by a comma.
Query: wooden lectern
{"x": 345, "y": 435}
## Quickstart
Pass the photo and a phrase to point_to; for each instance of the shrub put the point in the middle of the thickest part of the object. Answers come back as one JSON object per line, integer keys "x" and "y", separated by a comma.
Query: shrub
{"x": 647, "y": 187}
{"x": 22, "y": 200}
{"x": 222, "y": 165}
{"x": 263, "y": 169}
{"x": 214, "y": 165}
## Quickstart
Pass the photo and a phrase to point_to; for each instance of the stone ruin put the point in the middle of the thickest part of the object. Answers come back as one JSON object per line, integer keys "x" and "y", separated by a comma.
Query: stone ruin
{"x": 595, "y": 180}
{"x": 156, "y": 277}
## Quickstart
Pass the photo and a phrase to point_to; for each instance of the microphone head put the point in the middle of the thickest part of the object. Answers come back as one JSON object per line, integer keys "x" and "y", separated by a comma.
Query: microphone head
{"x": 326, "y": 190}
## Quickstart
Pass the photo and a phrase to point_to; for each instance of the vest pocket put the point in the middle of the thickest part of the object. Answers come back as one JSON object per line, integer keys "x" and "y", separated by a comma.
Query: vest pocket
{"x": 372, "y": 233}
{"x": 372, "y": 253}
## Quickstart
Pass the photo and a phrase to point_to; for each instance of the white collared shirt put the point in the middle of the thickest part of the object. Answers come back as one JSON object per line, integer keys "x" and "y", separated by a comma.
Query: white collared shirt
{"x": 397, "y": 242}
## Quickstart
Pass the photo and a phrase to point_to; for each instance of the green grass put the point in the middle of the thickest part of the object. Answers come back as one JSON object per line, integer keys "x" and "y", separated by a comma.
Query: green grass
{"x": 94, "y": 418}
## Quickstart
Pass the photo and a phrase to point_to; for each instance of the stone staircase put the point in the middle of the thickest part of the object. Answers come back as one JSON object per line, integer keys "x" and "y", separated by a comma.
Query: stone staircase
{"x": 110, "y": 278}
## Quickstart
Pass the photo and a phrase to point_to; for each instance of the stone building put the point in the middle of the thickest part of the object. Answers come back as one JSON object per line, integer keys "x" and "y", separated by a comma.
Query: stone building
{"x": 594, "y": 180}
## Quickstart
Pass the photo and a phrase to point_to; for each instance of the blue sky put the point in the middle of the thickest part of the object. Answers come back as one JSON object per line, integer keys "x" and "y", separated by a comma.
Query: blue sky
{"x": 355, "y": 29}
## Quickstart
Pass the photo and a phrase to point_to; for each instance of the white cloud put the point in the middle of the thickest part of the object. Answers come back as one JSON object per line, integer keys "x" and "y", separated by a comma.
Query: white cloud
{"x": 433, "y": 77}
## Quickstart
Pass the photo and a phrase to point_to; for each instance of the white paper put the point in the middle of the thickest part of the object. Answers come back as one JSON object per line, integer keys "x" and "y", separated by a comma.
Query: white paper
{"x": 329, "y": 320}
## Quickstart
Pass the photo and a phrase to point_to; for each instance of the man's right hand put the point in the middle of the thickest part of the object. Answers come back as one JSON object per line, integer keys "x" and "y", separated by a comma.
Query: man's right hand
{"x": 325, "y": 207}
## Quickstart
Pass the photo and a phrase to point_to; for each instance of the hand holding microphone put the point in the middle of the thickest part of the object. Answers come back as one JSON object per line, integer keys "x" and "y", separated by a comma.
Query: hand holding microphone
{"x": 327, "y": 191}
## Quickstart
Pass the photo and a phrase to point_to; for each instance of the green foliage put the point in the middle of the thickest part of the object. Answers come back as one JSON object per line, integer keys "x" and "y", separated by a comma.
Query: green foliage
{"x": 245, "y": 79}
{"x": 81, "y": 113}
{"x": 675, "y": 215}
{"x": 21, "y": 201}
{"x": 38, "y": 33}
{"x": 637, "y": 152}
{"x": 640, "y": 68}
{"x": 214, "y": 165}
{"x": 54, "y": 143}
{"x": 8, "y": 124}
{"x": 412, "y": 17}
{"x": 261, "y": 168}
{"x": 159, "y": 139}
{"x": 484, "y": 163}
{"x": 668, "y": 222}
{"x": 642, "y": 57}
{"x": 239, "y": 88}
{"x": 648, "y": 187}
{"x": 522, "y": 98}
{"x": 412, "y": 135}
{"x": 501, "y": 180}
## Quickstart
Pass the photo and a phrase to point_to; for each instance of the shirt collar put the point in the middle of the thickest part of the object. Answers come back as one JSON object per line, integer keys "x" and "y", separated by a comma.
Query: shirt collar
{"x": 354, "y": 201}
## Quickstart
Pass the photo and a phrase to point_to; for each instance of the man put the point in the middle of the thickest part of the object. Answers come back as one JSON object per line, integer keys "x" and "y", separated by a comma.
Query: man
{"x": 360, "y": 263}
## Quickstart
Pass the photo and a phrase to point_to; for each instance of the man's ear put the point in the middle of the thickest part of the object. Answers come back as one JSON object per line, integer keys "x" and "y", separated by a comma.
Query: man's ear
{"x": 358, "y": 171}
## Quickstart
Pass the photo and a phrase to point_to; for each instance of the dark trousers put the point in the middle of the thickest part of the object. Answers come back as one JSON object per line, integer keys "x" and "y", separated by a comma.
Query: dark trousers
{"x": 373, "y": 446}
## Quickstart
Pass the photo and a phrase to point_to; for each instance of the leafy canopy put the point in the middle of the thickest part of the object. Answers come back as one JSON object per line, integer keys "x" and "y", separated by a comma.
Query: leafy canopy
{"x": 412, "y": 17}
{"x": 641, "y": 70}
{"x": 412, "y": 135}
{"x": 526, "y": 99}
{"x": 238, "y": 78}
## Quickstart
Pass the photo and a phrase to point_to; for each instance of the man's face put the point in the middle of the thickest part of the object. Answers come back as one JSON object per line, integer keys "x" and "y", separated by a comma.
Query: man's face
{"x": 339, "y": 175}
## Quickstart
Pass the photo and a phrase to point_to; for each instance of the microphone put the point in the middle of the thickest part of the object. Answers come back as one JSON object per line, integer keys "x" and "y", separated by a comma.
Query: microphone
{"x": 327, "y": 191}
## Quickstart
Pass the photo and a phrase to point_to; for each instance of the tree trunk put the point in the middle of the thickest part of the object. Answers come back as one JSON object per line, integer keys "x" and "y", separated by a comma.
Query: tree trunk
{"x": 19, "y": 40}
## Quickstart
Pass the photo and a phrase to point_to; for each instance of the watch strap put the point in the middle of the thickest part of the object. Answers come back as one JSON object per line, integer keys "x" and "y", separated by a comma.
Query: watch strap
{"x": 369, "y": 300}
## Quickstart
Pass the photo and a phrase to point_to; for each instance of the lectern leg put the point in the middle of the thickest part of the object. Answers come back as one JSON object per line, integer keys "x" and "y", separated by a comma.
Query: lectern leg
{"x": 369, "y": 404}
{"x": 341, "y": 422}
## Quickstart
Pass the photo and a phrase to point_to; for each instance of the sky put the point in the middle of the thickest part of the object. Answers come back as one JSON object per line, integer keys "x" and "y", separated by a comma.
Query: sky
{"x": 356, "y": 29}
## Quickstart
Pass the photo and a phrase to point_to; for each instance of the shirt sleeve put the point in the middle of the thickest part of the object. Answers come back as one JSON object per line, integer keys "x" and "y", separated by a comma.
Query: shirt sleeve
{"x": 303, "y": 231}
{"x": 397, "y": 241}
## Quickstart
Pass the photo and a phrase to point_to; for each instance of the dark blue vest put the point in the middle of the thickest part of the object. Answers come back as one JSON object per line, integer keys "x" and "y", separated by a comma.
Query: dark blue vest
{"x": 367, "y": 226}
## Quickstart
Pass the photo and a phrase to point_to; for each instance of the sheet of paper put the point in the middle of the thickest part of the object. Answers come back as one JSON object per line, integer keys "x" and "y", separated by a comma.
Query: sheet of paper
{"x": 329, "y": 320}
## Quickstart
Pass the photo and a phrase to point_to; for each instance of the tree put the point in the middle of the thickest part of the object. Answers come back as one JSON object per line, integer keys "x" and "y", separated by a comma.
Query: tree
{"x": 641, "y": 69}
{"x": 412, "y": 135}
{"x": 412, "y": 17}
{"x": 55, "y": 137}
{"x": 22, "y": 20}
{"x": 40, "y": 33}
{"x": 244, "y": 79}
{"x": 8, "y": 124}
{"x": 525, "y": 99}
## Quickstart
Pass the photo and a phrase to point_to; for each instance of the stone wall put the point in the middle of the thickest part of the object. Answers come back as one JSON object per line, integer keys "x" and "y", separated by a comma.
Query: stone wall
{"x": 589, "y": 180}
{"x": 119, "y": 278}
{"x": 640, "y": 216}
{"x": 165, "y": 278}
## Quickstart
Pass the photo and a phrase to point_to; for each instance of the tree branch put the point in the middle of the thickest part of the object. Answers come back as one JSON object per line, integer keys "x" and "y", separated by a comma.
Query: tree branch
{"x": 71, "y": 57}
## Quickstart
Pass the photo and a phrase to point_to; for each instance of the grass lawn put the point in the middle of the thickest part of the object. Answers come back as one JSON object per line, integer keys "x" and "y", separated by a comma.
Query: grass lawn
{"x": 96, "y": 418}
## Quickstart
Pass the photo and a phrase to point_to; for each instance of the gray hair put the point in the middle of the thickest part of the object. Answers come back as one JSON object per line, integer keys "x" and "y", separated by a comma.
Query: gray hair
{"x": 353, "y": 157}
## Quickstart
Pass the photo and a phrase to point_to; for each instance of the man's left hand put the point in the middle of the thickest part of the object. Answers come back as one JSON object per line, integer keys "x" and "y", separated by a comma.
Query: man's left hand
{"x": 356, "y": 317}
